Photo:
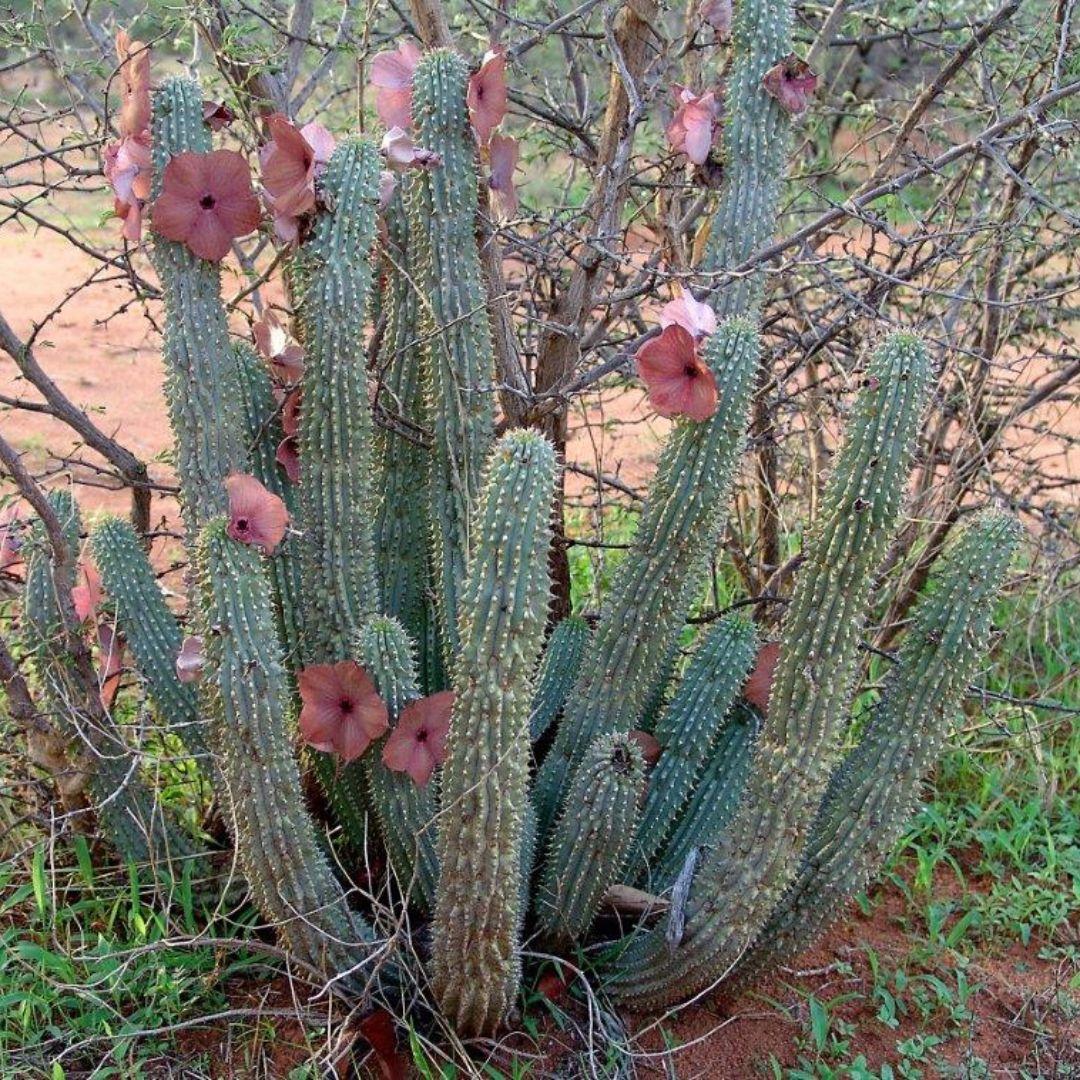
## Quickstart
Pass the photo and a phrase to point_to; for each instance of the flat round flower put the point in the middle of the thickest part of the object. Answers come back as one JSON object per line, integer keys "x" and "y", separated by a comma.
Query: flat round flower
{"x": 693, "y": 127}
{"x": 190, "y": 660}
{"x": 256, "y": 516}
{"x": 392, "y": 76}
{"x": 206, "y": 201}
{"x": 402, "y": 153}
{"x": 291, "y": 162}
{"x": 418, "y": 742}
{"x": 127, "y": 169}
{"x": 87, "y": 593}
{"x": 692, "y": 315}
{"x": 287, "y": 456}
{"x": 134, "y": 73}
{"x": 678, "y": 380}
{"x": 759, "y": 685}
{"x": 486, "y": 95}
{"x": 341, "y": 713}
{"x": 503, "y": 163}
{"x": 792, "y": 82}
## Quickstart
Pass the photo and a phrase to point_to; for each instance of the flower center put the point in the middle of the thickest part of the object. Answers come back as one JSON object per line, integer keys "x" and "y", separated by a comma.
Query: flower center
{"x": 690, "y": 371}
{"x": 207, "y": 202}
{"x": 346, "y": 706}
{"x": 242, "y": 525}
{"x": 422, "y": 735}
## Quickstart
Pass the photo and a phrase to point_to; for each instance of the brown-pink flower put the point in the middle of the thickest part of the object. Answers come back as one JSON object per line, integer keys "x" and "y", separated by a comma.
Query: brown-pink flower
{"x": 650, "y": 747}
{"x": 286, "y": 358}
{"x": 190, "y": 660}
{"x": 418, "y": 742}
{"x": 792, "y": 82}
{"x": 134, "y": 74}
{"x": 256, "y": 516}
{"x": 87, "y": 593}
{"x": 110, "y": 661}
{"x": 692, "y": 315}
{"x": 127, "y": 169}
{"x": 392, "y": 77}
{"x": 291, "y": 162}
{"x": 341, "y": 713}
{"x": 206, "y": 201}
{"x": 694, "y": 124}
{"x": 503, "y": 164}
{"x": 486, "y": 95}
{"x": 402, "y": 153}
{"x": 678, "y": 380}
{"x": 287, "y": 456}
{"x": 759, "y": 685}
{"x": 217, "y": 115}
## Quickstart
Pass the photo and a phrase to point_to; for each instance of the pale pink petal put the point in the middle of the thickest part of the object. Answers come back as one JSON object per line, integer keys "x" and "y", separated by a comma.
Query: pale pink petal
{"x": 392, "y": 75}
{"x": 86, "y": 596}
{"x": 486, "y": 95}
{"x": 402, "y": 153}
{"x": 320, "y": 140}
{"x": 256, "y": 516}
{"x": 190, "y": 660}
{"x": 792, "y": 82}
{"x": 692, "y": 315}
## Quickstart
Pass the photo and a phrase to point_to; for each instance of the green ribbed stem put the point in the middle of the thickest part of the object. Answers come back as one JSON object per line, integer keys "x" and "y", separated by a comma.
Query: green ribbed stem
{"x": 482, "y": 810}
{"x": 715, "y": 798}
{"x": 127, "y": 808}
{"x": 458, "y": 349}
{"x": 593, "y": 838}
{"x": 333, "y": 281}
{"x": 405, "y": 812}
{"x": 263, "y": 433}
{"x": 657, "y": 582}
{"x": 151, "y": 629}
{"x": 276, "y": 840}
{"x": 754, "y": 151}
{"x": 688, "y": 728}
{"x": 200, "y": 376}
{"x": 558, "y": 670}
{"x": 402, "y": 523}
{"x": 873, "y": 794}
{"x": 742, "y": 879}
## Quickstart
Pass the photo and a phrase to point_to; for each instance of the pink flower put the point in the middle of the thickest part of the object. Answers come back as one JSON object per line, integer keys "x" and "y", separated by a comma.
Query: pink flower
{"x": 217, "y": 115}
{"x": 190, "y": 660}
{"x": 290, "y": 412}
{"x": 291, "y": 162}
{"x": 418, "y": 742}
{"x": 392, "y": 77}
{"x": 791, "y": 82}
{"x": 759, "y": 685}
{"x": 650, "y": 748}
{"x": 694, "y": 124}
{"x": 287, "y": 456}
{"x": 342, "y": 713}
{"x": 86, "y": 596}
{"x": 486, "y": 95}
{"x": 134, "y": 72}
{"x": 271, "y": 339}
{"x": 127, "y": 169}
{"x": 402, "y": 153}
{"x": 503, "y": 164}
{"x": 717, "y": 13}
{"x": 679, "y": 382}
{"x": 692, "y": 315}
{"x": 206, "y": 202}
{"x": 110, "y": 661}
{"x": 256, "y": 516}
{"x": 10, "y": 539}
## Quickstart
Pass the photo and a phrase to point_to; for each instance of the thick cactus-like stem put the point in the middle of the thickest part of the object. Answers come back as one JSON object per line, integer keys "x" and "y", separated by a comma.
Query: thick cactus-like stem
{"x": 689, "y": 726}
{"x": 657, "y": 582}
{"x": 476, "y": 962}
{"x": 262, "y": 434}
{"x": 200, "y": 375}
{"x": 333, "y": 279}
{"x": 557, "y": 673}
{"x": 876, "y": 789}
{"x": 593, "y": 837}
{"x": 150, "y": 628}
{"x": 715, "y": 797}
{"x": 276, "y": 840}
{"x": 402, "y": 523}
{"x": 754, "y": 151}
{"x": 127, "y": 809}
{"x": 455, "y": 321}
{"x": 405, "y": 812}
{"x": 747, "y": 873}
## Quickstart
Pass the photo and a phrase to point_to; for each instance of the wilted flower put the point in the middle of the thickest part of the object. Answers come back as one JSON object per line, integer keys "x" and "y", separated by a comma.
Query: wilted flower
{"x": 287, "y": 456}
{"x": 402, "y": 153}
{"x": 418, "y": 742}
{"x": 10, "y": 537}
{"x": 110, "y": 661}
{"x": 290, "y": 412}
{"x": 694, "y": 124}
{"x": 342, "y": 713}
{"x": 256, "y": 516}
{"x": 87, "y": 594}
{"x": 217, "y": 115}
{"x": 678, "y": 380}
{"x": 791, "y": 82}
{"x": 291, "y": 162}
{"x": 206, "y": 201}
{"x": 392, "y": 77}
{"x": 486, "y": 96}
{"x": 127, "y": 169}
{"x": 134, "y": 73}
{"x": 190, "y": 660}
{"x": 271, "y": 339}
{"x": 503, "y": 164}
{"x": 759, "y": 685}
{"x": 693, "y": 316}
